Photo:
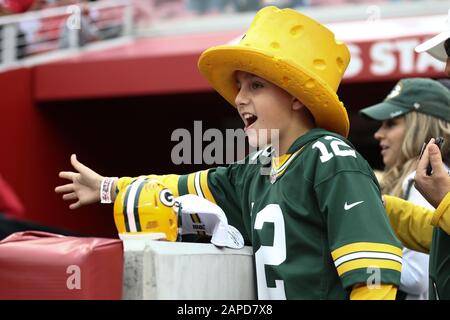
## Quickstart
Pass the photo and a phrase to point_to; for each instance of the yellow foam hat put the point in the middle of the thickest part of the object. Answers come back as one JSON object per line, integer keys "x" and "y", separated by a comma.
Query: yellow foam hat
{"x": 292, "y": 51}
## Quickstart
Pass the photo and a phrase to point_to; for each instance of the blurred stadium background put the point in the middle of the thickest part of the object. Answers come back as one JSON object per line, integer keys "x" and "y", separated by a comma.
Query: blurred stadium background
{"x": 113, "y": 90}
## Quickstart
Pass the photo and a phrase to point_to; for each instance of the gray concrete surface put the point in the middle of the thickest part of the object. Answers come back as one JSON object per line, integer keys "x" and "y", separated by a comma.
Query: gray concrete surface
{"x": 192, "y": 271}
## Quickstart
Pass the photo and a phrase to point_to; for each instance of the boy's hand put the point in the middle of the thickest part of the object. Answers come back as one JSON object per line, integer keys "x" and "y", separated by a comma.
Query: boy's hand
{"x": 85, "y": 186}
{"x": 434, "y": 187}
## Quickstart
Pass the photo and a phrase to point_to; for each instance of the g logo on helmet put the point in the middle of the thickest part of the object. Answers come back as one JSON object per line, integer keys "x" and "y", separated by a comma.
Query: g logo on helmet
{"x": 166, "y": 197}
{"x": 145, "y": 208}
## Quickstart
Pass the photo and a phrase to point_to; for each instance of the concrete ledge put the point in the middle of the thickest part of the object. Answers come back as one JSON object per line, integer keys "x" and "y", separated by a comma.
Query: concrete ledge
{"x": 187, "y": 271}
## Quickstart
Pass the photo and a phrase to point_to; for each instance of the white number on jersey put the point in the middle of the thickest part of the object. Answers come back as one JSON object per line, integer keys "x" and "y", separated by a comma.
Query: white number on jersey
{"x": 270, "y": 255}
{"x": 335, "y": 146}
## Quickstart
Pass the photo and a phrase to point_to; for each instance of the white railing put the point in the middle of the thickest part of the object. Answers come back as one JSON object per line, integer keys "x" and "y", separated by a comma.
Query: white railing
{"x": 35, "y": 33}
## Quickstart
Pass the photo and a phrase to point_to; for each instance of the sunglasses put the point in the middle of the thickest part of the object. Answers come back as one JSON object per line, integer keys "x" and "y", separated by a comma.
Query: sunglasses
{"x": 447, "y": 47}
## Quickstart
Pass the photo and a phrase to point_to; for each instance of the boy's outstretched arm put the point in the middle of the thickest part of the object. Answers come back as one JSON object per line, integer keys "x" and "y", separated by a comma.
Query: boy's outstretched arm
{"x": 85, "y": 184}
{"x": 216, "y": 185}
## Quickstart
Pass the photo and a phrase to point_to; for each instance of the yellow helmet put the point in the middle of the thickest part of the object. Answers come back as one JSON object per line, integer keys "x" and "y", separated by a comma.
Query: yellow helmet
{"x": 146, "y": 207}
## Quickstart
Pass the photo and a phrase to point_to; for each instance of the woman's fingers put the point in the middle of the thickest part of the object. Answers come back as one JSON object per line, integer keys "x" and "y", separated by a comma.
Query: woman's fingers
{"x": 436, "y": 160}
{"x": 423, "y": 162}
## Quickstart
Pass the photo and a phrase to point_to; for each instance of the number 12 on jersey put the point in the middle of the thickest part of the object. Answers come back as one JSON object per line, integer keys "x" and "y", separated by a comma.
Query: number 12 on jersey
{"x": 335, "y": 147}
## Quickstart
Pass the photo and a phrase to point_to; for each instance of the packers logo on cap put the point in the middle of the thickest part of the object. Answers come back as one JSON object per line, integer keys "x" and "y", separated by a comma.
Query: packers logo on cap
{"x": 395, "y": 92}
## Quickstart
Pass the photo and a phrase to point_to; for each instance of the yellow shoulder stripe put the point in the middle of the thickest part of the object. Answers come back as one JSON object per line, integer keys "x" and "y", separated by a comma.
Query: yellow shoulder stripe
{"x": 365, "y": 246}
{"x": 368, "y": 263}
{"x": 190, "y": 184}
{"x": 198, "y": 184}
{"x": 365, "y": 255}
{"x": 204, "y": 184}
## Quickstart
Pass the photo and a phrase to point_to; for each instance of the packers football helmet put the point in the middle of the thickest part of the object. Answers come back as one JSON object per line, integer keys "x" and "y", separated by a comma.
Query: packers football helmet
{"x": 146, "y": 207}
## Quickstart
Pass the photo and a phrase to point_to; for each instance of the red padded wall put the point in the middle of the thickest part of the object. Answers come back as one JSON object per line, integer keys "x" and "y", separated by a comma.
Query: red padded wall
{"x": 33, "y": 153}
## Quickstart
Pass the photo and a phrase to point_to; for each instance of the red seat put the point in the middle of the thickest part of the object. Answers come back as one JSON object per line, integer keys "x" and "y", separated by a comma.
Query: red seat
{"x": 40, "y": 265}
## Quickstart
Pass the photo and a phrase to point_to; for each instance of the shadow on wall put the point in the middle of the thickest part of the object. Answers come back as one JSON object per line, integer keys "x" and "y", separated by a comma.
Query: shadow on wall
{"x": 132, "y": 136}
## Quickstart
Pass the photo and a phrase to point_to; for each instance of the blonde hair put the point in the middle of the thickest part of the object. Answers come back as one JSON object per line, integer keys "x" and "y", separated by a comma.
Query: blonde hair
{"x": 419, "y": 128}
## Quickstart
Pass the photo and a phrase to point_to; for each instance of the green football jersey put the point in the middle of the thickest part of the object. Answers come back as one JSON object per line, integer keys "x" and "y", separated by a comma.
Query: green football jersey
{"x": 314, "y": 217}
{"x": 439, "y": 265}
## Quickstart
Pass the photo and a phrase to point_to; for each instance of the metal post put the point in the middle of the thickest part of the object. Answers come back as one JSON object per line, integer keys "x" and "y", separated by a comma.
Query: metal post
{"x": 73, "y": 38}
{"x": 128, "y": 20}
{"x": 9, "y": 43}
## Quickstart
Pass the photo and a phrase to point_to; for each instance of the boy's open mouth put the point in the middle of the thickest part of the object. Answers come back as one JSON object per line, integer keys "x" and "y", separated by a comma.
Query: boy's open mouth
{"x": 249, "y": 119}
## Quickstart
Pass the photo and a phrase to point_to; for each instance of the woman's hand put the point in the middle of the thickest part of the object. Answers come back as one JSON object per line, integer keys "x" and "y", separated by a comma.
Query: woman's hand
{"x": 434, "y": 187}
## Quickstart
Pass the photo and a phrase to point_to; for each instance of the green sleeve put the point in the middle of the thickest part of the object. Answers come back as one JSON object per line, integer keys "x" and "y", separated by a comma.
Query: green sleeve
{"x": 221, "y": 186}
{"x": 361, "y": 241}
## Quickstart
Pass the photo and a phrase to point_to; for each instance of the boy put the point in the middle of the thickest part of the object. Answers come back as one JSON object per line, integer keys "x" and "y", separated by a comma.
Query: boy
{"x": 317, "y": 224}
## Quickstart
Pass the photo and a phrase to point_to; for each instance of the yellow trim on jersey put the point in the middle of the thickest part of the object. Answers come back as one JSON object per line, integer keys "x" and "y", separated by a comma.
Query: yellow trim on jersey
{"x": 197, "y": 183}
{"x": 365, "y": 246}
{"x": 367, "y": 263}
{"x": 367, "y": 254}
{"x": 277, "y": 162}
{"x": 204, "y": 183}
{"x": 190, "y": 184}
{"x": 281, "y": 163}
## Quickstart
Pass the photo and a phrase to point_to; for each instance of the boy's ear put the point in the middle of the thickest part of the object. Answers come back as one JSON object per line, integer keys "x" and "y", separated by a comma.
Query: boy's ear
{"x": 296, "y": 104}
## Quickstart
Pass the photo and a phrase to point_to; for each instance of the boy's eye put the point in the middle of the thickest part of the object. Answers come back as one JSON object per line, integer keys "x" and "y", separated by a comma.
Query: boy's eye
{"x": 256, "y": 85}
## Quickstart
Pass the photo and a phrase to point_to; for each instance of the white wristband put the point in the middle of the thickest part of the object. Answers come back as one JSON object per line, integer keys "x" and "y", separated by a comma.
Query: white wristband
{"x": 105, "y": 189}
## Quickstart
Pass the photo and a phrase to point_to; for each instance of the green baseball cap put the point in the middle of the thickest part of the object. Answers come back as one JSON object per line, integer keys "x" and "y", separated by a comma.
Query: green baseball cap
{"x": 413, "y": 94}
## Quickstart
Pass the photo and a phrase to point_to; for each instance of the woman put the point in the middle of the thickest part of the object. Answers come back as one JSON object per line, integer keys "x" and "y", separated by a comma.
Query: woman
{"x": 416, "y": 110}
